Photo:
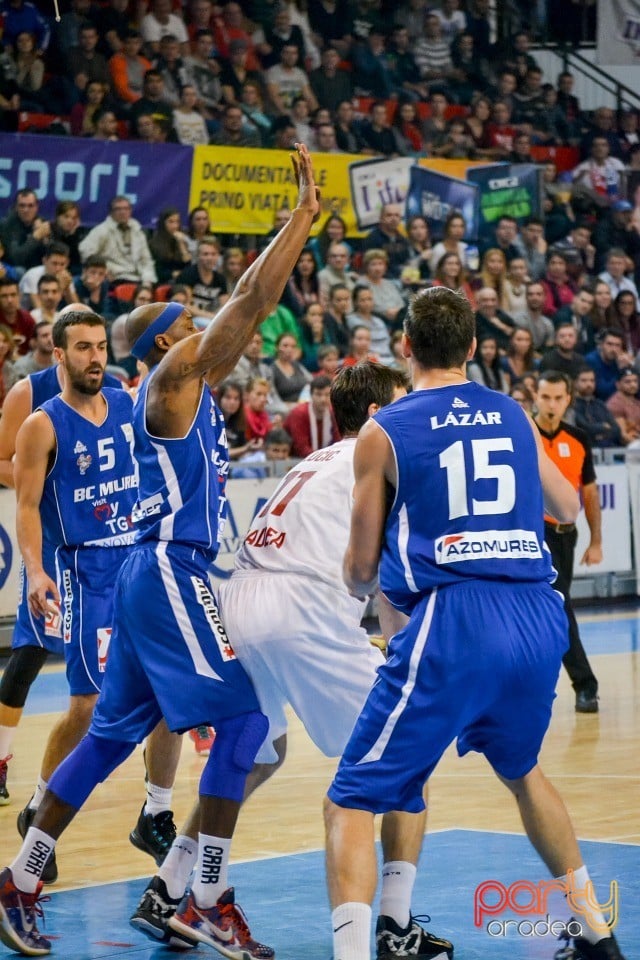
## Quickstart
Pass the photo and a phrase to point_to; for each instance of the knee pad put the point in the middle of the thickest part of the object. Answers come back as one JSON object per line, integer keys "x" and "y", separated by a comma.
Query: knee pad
{"x": 88, "y": 765}
{"x": 234, "y": 750}
{"x": 24, "y": 665}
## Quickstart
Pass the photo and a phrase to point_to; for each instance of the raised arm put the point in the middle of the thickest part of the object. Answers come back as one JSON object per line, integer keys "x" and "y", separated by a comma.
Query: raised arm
{"x": 371, "y": 468}
{"x": 560, "y": 499}
{"x": 35, "y": 443}
{"x": 214, "y": 353}
{"x": 16, "y": 409}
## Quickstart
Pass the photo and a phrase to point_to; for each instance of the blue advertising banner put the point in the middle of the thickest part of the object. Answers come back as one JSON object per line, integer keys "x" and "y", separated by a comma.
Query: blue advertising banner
{"x": 92, "y": 172}
{"x": 434, "y": 195}
{"x": 506, "y": 189}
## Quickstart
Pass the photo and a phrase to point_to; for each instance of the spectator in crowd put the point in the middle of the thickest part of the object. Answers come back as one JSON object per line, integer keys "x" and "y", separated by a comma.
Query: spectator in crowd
{"x": 7, "y": 356}
{"x": 522, "y": 396}
{"x": 591, "y": 414}
{"x": 92, "y": 288}
{"x": 452, "y": 241}
{"x": 280, "y": 321}
{"x": 505, "y": 88}
{"x": 283, "y": 134}
{"x": 376, "y": 133}
{"x": 122, "y": 242}
{"x": 83, "y": 113}
{"x": 485, "y": 368}
{"x": 607, "y": 360}
{"x": 159, "y": 22}
{"x": 258, "y": 421}
{"x": 67, "y": 32}
{"x": 348, "y": 131}
{"x": 28, "y": 70}
{"x": 450, "y": 273}
{"x": 207, "y": 284}
{"x": 500, "y": 131}
{"x": 627, "y": 320}
{"x": 300, "y": 116}
{"x": 602, "y": 127}
{"x": 533, "y": 319}
{"x": 40, "y": 355}
{"x": 338, "y": 309}
{"x": 85, "y": 62}
{"x": 324, "y": 139}
{"x": 514, "y": 297}
{"x": 316, "y": 332}
{"x": 21, "y": 16}
{"x": 56, "y": 262}
{"x": 476, "y": 124}
{"x": 628, "y": 135}
{"x": 407, "y": 129}
{"x": 360, "y": 347}
{"x": 529, "y": 101}
{"x": 153, "y": 102}
{"x": 234, "y": 264}
{"x": 491, "y": 320}
{"x": 432, "y": 54}
{"x": 188, "y": 123}
{"x": 615, "y": 228}
{"x": 49, "y": 295}
{"x": 615, "y": 274}
{"x": 311, "y": 424}
{"x": 105, "y": 125}
{"x": 20, "y": 322}
{"x": 570, "y": 105}
{"x": 388, "y": 302}
{"x": 599, "y": 177}
{"x": 23, "y": 233}
{"x": 625, "y": 405}
{"x": 563, "y": 356}
{"x": 410, "y": 14}
{"x": 363, "y": 315}
{"x": 6, "y": 270}
{"x": 337, "y": 270}
{"x": 232, "y": 27}
{"x": 505, "y": 239}
{"x": 371, "y": 75}
{"x": 113, "y": 24}
{"x": 280, "y": 31}
{"x": 333, "y": 230}
{"x": 518, "y": 58}
{"x": 520, "y": 358}
{"x": 493, "y": 273}
{"x": 168, "y": 246}
{"x": 236, "y": 72}
{"x": 303, "y": 287}
{"x": 66, "y": 228}
{"x": 436, "y": 128}
{"x": 533, "y": 247}
{"x": 119, "y": 348}
{"x": 199, "y": 228}
{"x": 458, "y": 145}
{"x": 275, "y": 448}
{"x": 603, "y": 313}
{"x": 250, "y": 365}
{"x": 419, "y": 245}
{"x": 558, "y": 287}
{"x": 553, "y": 128}
{"x": 289, "y": 376}
{"x": 286, "y": 81}
{"x": 388, "y": 237}
{"x": 203, "y": 72}
{"x": 328, "y": 362}
{"x": 252, "y": 106}
{"x": 230, "y": 401}
{"x": 172, "y": 68}
{"x": 403, "y": 71}
{"x": 578, "y": 314}
{"x": 578, "y": 244}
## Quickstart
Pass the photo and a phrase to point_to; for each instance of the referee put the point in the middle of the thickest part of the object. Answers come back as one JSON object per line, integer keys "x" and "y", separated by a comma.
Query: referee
{"x": 570, "y": 450}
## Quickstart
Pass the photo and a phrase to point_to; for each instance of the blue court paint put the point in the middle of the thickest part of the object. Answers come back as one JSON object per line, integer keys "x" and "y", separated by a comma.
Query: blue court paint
{"x": 286, "y": 903}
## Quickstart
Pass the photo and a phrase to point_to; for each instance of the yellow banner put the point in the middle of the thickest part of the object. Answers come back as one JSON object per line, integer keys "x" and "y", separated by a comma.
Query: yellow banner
{"x": 243, "y": 188}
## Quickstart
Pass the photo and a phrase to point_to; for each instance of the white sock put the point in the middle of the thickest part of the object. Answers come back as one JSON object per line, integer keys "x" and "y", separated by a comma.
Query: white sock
{"x": 398, "y": 878}
{"x": 29, "y": 864}
{"x": 594, "y": 925}
{"x": 158, "y": 799}
{"x": 38, "y": 794}
{"x": 212, "y": 869}
{"x": 178, "y": 865}
{"x": 6, "y": 739}
{"x": 351, "y": 924}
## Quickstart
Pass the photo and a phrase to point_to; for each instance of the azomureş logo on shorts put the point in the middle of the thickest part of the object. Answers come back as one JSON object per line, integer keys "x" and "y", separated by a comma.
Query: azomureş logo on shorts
{"x": 531, "y": 900}
{"x": 487, "y": 545}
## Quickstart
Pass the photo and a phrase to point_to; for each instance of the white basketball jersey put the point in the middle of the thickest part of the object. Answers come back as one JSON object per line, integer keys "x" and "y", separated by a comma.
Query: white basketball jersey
{"x": 304, "y": 526}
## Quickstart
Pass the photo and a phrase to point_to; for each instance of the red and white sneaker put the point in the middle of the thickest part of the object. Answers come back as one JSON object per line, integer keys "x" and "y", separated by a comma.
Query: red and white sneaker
{"x": 18, "y": 913}
{"x": 4, "y": 793}
{"x": 203, "y": 738}
{"x": 223, "y": 926}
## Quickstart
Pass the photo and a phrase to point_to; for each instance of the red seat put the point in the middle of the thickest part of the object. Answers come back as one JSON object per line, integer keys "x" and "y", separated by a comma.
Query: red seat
{"x": 125, "y": 292}
{"x": 162, "y": 291}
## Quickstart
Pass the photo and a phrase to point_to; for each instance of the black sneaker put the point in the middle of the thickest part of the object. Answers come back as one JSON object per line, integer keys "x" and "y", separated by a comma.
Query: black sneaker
{"x": 4, "y": 793}
{"x": 153, "y": 913}
{"x": 154, "y": 835}
{"x": 586, "y": 701}
{"x": 606, "y": 949}
{"x": 393, "y": 943}
{"x": 25, "y": 819}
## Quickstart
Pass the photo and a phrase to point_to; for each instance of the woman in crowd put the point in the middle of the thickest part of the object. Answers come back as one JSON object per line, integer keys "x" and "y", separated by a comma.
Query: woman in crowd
{"x": 419, "y": 237}
{"x": 7, "y": 356}
{"x": 485, "y": 367}
{"x": 314, "y": 334}
{"x": 230, "y": 401}
{"x": 289, "y": 375}
{"x": 523, "y": 396}
{"x": 476, "y": 124}
{"x": 29, "y": 72}
{"x": 168, "y": 246}
{"x": 558, "y": 287}
{"x": 602, "y": 313}
{"x": 334, "y": 230}
{"x": 234, "y": 264}
{"x": 302, "y": 288}
{"x": 627, "y": 319}
{"x": 450, "y": 273}
{"x": 258, "y": 421}
{"x": 253, "y": 109}
{"x": 407, "y": 130}
{"x": 520, "y": 358}
{"x": 452, "y": 242}
{"x": 82, "y": 114}
{"x": 493, "y": 273}
{"x": 387, "y": 299}
{"x": 189, "y": 124}
{"x": 199, "y": 228}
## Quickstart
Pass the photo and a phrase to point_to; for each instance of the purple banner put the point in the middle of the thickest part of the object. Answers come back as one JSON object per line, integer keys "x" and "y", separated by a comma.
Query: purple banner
{"x": 92, "y": 172}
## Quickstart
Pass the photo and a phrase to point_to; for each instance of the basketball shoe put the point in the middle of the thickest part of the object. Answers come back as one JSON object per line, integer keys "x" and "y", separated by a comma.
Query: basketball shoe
{"x": 223, "y": 926}
{"x": 4, "y": 793}
{"x": 25, "y": 819}
{"x": 154, "y": 834}
{"x": 153, "y": 913}
{"x": 18, "y": 915}
{"x": 203, "y": 738}
{"x": 393, "y": 943}
{"x": 606, "y": 949}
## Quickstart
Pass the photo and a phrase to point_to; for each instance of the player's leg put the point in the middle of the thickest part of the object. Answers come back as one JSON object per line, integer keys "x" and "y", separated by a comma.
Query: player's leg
{"x": 23, "y": 667}
{"x": 155, "y": 830}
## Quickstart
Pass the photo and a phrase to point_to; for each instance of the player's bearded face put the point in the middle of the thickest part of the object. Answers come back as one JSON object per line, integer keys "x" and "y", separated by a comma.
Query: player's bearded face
{"x": 85, "y": 378}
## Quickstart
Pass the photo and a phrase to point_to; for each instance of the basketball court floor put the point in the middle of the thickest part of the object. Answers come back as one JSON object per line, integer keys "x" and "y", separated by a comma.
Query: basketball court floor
{"x": 474, "y": 835}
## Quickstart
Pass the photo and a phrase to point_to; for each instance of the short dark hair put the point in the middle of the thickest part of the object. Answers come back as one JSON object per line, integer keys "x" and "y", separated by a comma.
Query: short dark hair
{"x": 556, "y": 376}
{"x": 48, "y": 278}
{"x": 277, "y": 435}
{"x": 357, "y": 387}
{"x": 94, "y": 260}
{"x": 57, "y": 247}
{"x": 73, "y": 318}
{"x": 319, "y": 383}
{"x": 7, "y": 282}
{"x": 441, "y": 326}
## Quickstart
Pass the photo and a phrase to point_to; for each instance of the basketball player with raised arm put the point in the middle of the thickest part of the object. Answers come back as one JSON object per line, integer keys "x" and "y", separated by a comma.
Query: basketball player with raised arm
{"x": 461, "y": 550}
{"x": 169, "y": 653}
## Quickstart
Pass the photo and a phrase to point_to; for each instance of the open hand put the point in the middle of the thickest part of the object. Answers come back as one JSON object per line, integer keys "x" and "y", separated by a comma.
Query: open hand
{"x": 308, "y": 193}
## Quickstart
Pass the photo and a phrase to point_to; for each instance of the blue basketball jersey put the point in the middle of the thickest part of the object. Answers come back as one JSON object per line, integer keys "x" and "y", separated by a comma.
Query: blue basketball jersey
{"x": 182, "y": 481}
{"x": 91, "y": 487}
{"x": 468, "y": 504}
{"x": 45, "y": 385}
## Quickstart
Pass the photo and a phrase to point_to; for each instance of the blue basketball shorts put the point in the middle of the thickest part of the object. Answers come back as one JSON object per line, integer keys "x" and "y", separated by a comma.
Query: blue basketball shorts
{"x": 477, "y": 662}
{"x": 86, "y": 581}
{"x": 170, "y": 655}
{"x": 32, "y": 631}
